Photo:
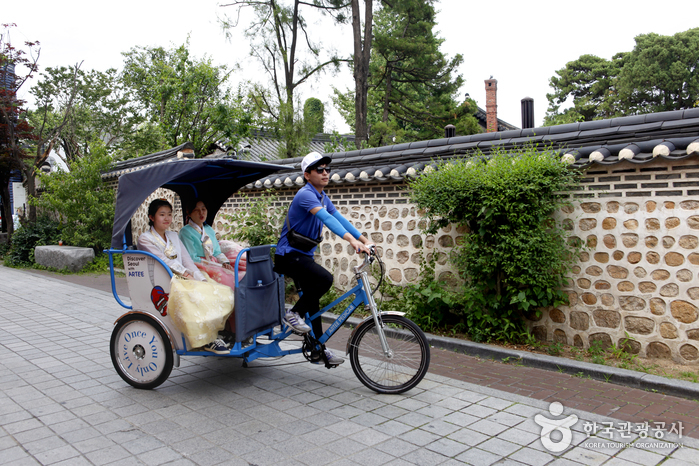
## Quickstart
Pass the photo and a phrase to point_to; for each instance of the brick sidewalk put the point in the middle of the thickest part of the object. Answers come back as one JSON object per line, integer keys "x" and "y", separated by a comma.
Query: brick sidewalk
{"x": 606, "y": 399}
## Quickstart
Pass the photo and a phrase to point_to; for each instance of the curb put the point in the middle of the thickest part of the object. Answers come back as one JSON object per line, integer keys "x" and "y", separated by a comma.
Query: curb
{"x": 615, "y": 375}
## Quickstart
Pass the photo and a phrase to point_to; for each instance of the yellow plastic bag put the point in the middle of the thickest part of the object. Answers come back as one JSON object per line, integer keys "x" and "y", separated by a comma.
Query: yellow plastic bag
{"x": 199, "y": 309}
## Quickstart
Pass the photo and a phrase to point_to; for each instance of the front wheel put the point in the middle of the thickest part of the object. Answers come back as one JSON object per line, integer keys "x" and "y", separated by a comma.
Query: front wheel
{"x": 403, "y": 369}
{"x": 141, "y": 351}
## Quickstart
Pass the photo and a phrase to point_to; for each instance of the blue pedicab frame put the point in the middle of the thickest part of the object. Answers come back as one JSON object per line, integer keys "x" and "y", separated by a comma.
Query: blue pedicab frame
{"x": 388, "y": 352}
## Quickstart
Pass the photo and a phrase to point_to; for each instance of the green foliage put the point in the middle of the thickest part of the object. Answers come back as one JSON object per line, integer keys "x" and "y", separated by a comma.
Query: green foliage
{"x": 659, "y": 74}
{"x": 314, "y": 115}
{"x": 82, "y": 202}
{"x": 260, "y": 222}
{"x": 514, "y": 258}
{"x": 187, "y": 98}
{"x": 555, "y": 349}
{"x": 337, "y": 144}
{"x": 43, "y": 232}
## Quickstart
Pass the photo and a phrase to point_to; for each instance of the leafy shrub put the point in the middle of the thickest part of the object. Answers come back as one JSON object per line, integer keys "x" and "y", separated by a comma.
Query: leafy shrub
{"x": 259, "y": 223}
{"x": 83, "y": 203}
{"x": 515, "y": 258}
{"x": 43, "y": 232}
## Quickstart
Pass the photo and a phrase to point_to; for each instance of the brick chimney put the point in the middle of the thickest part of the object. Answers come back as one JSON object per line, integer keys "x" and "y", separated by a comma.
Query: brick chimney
{"x": 491, "y": 104}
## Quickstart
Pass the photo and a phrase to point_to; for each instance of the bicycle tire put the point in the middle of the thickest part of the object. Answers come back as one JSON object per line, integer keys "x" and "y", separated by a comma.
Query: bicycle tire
{"x": 399, "y": 373}
{"x": 141, "y": 351}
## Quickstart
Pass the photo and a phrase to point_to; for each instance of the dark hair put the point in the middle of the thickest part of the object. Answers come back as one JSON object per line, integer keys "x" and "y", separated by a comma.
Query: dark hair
{"x": 154, "y": 206}
{"x": 193, "y": 205}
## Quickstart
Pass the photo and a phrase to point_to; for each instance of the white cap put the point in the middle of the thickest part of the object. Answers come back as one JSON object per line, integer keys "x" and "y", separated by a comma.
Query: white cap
{"x": 314, "y": 158}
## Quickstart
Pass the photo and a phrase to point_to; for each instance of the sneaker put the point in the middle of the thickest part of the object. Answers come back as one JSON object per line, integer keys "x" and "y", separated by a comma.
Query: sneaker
{"x": 332, "y": 359}
{"x": 295, "y": 321}
{"x": 217, "y": 346}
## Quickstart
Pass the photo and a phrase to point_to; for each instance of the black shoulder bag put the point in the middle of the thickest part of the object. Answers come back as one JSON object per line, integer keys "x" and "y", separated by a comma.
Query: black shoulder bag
{"x": 299, "y": 241}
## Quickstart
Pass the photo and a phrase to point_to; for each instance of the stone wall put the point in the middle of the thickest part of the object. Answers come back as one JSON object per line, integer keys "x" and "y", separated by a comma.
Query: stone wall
{"x": 637, "y": 274}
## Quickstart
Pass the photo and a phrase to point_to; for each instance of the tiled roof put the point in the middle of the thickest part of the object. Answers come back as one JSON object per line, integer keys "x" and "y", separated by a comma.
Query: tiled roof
{"x": 482, "y": 118}
{"x": 264, "y": 146}
{"x": 129, "y": 165}
{"x": 637, "y": 139}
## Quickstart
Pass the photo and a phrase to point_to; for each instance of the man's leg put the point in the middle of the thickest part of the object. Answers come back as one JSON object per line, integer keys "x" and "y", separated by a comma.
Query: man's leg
{"x": 313, "y": 279}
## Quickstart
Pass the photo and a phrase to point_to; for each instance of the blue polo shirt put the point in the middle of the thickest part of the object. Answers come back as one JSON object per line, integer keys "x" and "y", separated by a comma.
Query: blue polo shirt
{"x": 302, "y": 220}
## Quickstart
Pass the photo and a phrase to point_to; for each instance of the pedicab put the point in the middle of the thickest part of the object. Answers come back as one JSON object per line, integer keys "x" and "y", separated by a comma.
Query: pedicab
{"x": 388, "y": 352}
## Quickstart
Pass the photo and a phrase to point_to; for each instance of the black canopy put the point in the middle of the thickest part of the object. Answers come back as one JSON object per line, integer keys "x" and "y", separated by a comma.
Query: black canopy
{"x": 211, "y": 180}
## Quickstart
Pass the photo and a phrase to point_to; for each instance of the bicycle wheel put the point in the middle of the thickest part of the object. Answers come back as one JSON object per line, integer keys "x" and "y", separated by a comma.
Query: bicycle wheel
{"x": 408, "y": 363}
{"x": 141, "y": 351}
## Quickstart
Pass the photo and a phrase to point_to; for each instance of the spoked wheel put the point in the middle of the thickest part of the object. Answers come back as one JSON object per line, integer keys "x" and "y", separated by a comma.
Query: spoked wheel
{"x": 403, "y": 369}
{"x": 141, "y": 351}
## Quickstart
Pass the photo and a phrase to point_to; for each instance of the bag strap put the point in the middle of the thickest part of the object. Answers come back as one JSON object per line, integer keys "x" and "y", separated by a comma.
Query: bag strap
{"x": 322, "y": 204}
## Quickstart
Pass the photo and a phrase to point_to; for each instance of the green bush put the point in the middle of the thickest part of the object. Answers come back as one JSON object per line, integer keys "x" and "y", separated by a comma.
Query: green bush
{"x": 515, "y": 258}
{"x": 43, "y": 232}
{"x": 259, "y": 223}
{"x": 83, "y": 203}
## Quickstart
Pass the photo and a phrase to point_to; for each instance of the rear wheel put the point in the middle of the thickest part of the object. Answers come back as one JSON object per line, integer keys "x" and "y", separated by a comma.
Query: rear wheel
{"x": 403, "y": 369}
{"x": 141, "y": 351}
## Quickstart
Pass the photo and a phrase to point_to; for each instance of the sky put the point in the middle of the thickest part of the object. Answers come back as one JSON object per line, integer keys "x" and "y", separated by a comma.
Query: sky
{"x": 519, "y": 43}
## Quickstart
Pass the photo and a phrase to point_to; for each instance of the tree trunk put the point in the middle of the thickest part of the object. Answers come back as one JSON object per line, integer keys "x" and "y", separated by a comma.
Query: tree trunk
{"x": 362, "y": 53}
{"x": 7, "y": 210}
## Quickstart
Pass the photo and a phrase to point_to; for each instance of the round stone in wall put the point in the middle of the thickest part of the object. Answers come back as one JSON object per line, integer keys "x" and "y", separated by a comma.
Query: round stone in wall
{"x": 632, "y": 303}
{"x": 579, "y": 320}
{"x": 647, "y": 287}
{"x": 609, "y": 241}
{"x": 559, "y": 336}
{"x": 594, "y": 271}
{"x": 604, "y": 340}
{"x": 669, "y": 290}
{"x": 684, "y": 311}
{"x": 429, "y": 241}
{"x": 591, "y": 241}
{"x": 402, "y": 257}
{"x": 602, "y": 285}
{"x": 639, "y": 325}
{"x": 587, "y": 224}
{"x": 640, "y": 272}
{"x": 402, "y": 241}
{"x": 393, "y": 213}
{"x": 652, "y": 257}
{"x": 688, "y": 241}
{"x": 689, "y": 352}
{"x": 583, "y": 283}
{"x": 650, "y": 206}
{"x": 657, "y": 306}
{"x": 693, "y": 222}
{"x": 389, "y": 253}
{"x": 395, "y": 275}
{"x": 684, "y": 275}
{"x": 658, "y": 350}
{"x": 660, "y": 274}
{"x": 612, "y": 207}
{"x": 411, "y": 225}
{"x": 376, "y": 237}
{"x": 584, "y": 257}
{"x": 606, "y": 318}
{"x": 668, "y": 331}
{"x": 617, "y": 271}
{"x": 557, "y": 316}
{"x": 344, "y": 264}
{"x": 386, "y": 226}
{"x": 601, "y": 257}
{"x": 668, "y": 242}
{"x": 674, "y": 259}
{"x": 607, "y": 299}
{"x": 693, "y": 258}
{"x": 631, "y": 224}
{"x": 411, "y": 274}
{"x": 588, "y": 298}
{"x": 628, "y": 345}
{"x": 415, "y": 258}
{"x": 630, "y": 207}
{"x": 672, "y": 222}
{"x": 651, "y": 241}
{"x": 689, "y": 205}
{"x": 625, "y": 286}
{"x": 444, "y": 241}
{"x": 577, "y": 341}
{"x": 591, "y": 207}
{"x": 629, "y": 239}
{"x": 652, "y": 224}
{"x": 609, "y": 223}
{"x": 618, "y": 255}
{"x": 693, "y": 334}
{"x": 634, "y": 257}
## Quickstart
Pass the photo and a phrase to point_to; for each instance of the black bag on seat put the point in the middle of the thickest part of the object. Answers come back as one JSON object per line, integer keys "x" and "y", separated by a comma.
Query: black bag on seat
{"x": 259, "y": 297}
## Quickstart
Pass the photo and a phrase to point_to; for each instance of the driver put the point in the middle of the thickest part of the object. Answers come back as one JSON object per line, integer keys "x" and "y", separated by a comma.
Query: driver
{"x": 309, "y": 211}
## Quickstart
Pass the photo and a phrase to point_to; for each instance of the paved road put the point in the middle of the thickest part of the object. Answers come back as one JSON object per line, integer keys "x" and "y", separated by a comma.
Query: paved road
{"x": 61, "y": 402}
